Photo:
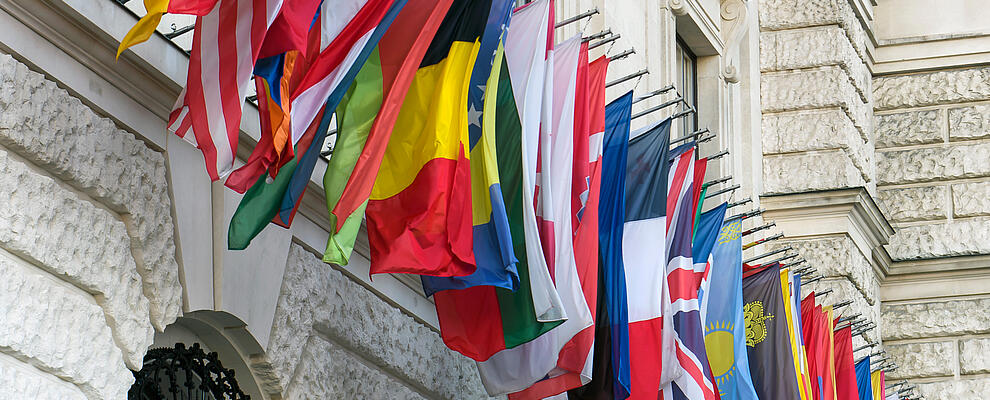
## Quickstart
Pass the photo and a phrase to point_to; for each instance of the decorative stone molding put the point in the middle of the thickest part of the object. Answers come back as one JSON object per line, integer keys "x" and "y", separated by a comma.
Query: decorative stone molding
{"x": 847, "y": 211}
{"x": 678, "y": 7}
{"x": 733, "y": 14}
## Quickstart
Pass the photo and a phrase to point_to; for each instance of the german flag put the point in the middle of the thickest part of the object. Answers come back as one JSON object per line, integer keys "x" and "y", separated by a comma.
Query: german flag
{"x": 419, "y": 213}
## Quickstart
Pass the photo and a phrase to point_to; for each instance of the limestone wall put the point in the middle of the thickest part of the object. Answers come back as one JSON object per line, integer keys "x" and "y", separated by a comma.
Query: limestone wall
{"x": 933, "y": 158}
{"x": 86, "y": 245}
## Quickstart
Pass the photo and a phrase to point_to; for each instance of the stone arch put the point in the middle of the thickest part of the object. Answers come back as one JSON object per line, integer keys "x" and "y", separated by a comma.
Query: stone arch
{"x": 237, "y": 349}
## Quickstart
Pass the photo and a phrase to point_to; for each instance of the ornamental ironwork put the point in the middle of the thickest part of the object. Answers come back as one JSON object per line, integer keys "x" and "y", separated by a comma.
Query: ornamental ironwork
{"x": 181, "y": 373}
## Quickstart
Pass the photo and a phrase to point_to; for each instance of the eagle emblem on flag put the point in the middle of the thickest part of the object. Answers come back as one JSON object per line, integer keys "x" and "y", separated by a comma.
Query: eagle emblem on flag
{"x": 756, "y": 326}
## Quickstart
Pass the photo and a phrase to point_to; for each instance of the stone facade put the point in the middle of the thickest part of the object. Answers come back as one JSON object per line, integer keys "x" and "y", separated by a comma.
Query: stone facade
{"x": 93, "y": 263}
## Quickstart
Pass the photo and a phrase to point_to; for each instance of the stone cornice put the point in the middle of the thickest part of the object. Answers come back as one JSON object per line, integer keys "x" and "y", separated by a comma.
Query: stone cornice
{"x": 844, "y": 211}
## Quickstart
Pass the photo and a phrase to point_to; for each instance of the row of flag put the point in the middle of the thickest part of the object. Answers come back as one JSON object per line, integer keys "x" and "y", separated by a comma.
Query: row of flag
{"x": 565, "y": 253}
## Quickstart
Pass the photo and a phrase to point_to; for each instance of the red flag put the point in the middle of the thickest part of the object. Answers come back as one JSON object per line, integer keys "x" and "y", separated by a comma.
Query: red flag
{"x": 845, "y": 369}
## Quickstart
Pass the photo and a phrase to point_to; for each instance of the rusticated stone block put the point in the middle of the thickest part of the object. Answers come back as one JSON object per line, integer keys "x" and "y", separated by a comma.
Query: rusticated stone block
{"x": 933, "y": 164}
{"x": 974, "y": 356}
{"x": 971, "y": 122}
{"x": 318, "y": 300}
{"x": 51, "y": 226}
{"x": 971, "y": 199}
{"x": 55, "y": 131}
{"x": 837, "y": 257}
{"x": 962, "y": 389}
{"x": 957, "y": 238}
{"x": 790, "y": 14}
{"x": 328, "y": 371}
{"x": 814, "y": 47}
{"x": 26, "y": 382}
{"x": 61, "y": 331}
{"x": 931, "y": 88}
{"x": 936, "y": 319}
{"x": 821, "y": 170}
{"x": 823, "y": 87}
{"x": 922, "y": 360}
{"x": 800, "y": 131}
{"x": 915, "y": 204}
{"x": 912, "y": 127}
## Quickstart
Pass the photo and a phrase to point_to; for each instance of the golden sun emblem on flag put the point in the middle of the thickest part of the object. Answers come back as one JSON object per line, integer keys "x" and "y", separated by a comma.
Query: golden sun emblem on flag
{"x": 720, "y": 346}
{"x": 756, "y": 326}
{"x": 730, "y": 232}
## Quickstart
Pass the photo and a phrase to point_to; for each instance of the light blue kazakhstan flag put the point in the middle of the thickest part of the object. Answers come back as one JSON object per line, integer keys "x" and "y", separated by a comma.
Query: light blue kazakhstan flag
{"x": 725, "y": 329}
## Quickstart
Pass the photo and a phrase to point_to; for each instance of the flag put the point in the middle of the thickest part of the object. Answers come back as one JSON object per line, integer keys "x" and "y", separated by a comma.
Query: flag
{"x": 799, "y": 332}
{"x": 828, "y": 323}
{"x": 142, "y": 30}
{"x": 419, "y": 213}
{"x": 877, "y": 380}
{"x": 367, "y": 116}
{"x": 644, "y": 223}
{"x": 611, "y": 370}
{"x": 262, "y": 202}
{"x": 686, "y": 366}
{"x": 574, "y": 362}
{"x": 496, "y": 264}
{"x": 706, "y": 232}
{"x": 533, "y": 361}
{"x": 863, "y": 379}
{"x": 845, "y": 371}
{"x": 770, "y": 361}
{"x": 792, "y": 337}
{"x": 817, "y": 349}
{"x": 725, "y": 328}
{"x": 226, "y": 44}
{"x": 598, "y": 361}
{"x": 482, "y": 320}
{"x": 344, "y": 24}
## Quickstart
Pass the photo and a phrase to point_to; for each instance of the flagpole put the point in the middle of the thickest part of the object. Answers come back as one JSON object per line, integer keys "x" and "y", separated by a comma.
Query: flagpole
{"x": 623, "y": 54}
{"x": 658, "y": 107}
{"x": 662, "y": 90}
{"x": 747, "y": 214}
{"x": 740, "y": 202}
{"x": 598, "y": 35}
{"x": 716, "y": 181}
{"x": 628, "y": 77}
{"x": 577, "y": 18}
{"x": 751, "y": 259}
{"x": 693, "y": 134}
{"x": 610, "y": 39}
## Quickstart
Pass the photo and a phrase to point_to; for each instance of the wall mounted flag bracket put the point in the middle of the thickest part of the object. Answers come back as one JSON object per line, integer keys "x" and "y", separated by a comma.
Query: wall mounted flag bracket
{"x": 765, "y": 255}
{"x": 658, "y": 107}
{"x": 843, "y": 304}
{"x": 690, "y": 110}
{"x": 716, "y": 181}
{"x": 631, "y": 76}
{"x": 726, "y": 190}
{"x": 693, "y": 134}
{"x": 865, "y": 346}
{"x": 598, "y": 35}
{"x": 662, "y": 90}
{"x": 706, "y": 138}
{"x": 608, "y": 40}
{"x": 823, "y": 292}
{"x": 740, "y": 202}
{"x": 748, "y": 214}
{"x": 577, "y": 18}
{"x": 718, "y": 155}
{"x": 623, "y": 54}
{"x": 179, "y": 32}
{"x": 761, "y": 241}
{"x": 812, "y": 280}
{"x": 784, "y": 258}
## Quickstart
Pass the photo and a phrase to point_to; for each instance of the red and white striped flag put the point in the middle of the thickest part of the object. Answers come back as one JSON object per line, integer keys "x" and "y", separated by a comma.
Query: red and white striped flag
{"x": 226, "y": 43}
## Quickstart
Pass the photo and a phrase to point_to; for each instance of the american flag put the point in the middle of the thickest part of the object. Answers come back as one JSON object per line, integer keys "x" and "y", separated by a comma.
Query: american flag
{"x": 226, "y": 43}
